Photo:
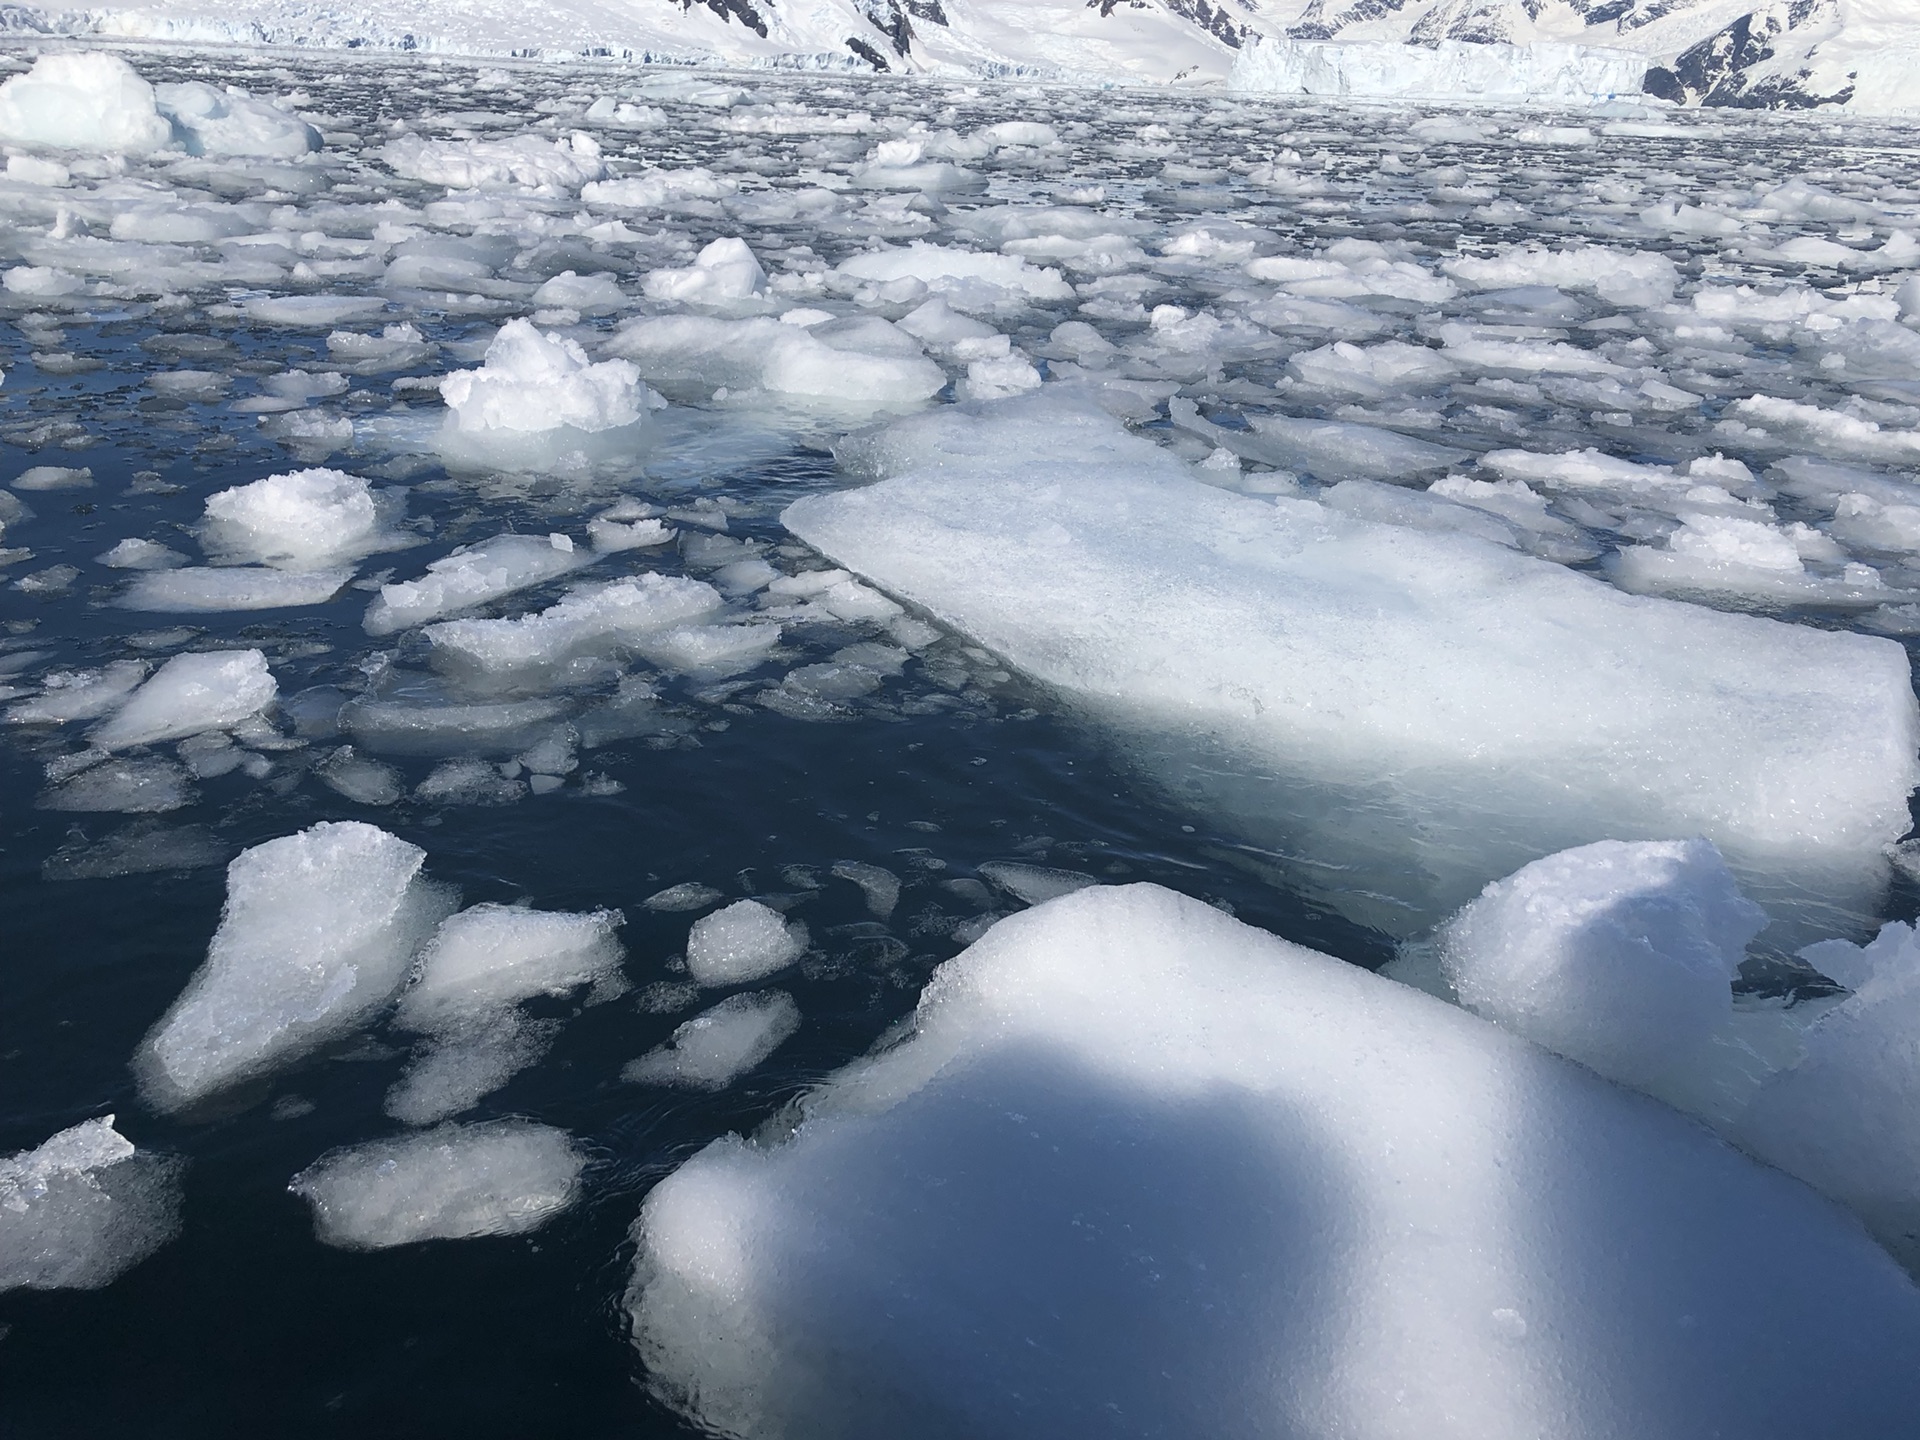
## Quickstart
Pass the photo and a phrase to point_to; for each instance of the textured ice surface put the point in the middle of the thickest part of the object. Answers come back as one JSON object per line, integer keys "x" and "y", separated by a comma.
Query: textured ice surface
{"x": 504, "y": 1177}
{"x": 304, "y": 520}
{"x": 863, "y": 366}
{"x": 468, "y": 981}
{"x": 191, "y": 693}
{"x": 1842, "y": 1118}
{"x": 82, "y": 101}
{"x": 741, "y": 943}
{"x": 718, "y": 1046}
{"x": 595, "y": 619}
{"x": 1490, "y": 73}
{"x": 201, "y": 589}
{"x": 1416, "y": 684}
{"x": 537, "y": 399}
{"x": 1140, "y": 1160}
{"x": 84, "y": 1207}
{"x": 316, "y": 936}
{"x": 1618, "y": 955}
{"x": 472, "y": 576}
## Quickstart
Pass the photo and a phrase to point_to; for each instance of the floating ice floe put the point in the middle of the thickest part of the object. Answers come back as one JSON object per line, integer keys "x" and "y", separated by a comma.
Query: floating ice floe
{"x": 96, "y": 102}
{"x": 528, "y": 162}
{"x": 1430, "y": 709}
{"x": 592, "y": 621}
{"x": 1136, "y": 1158}
{"x": 723, "y": 273}
{"x": 317, "y": 934}
{"x": 473, "y": 575}
{"x": 741, "y": 943}
{"x": 504, "y": 1177}
{"x": 470, "y": 979}
{"x": 197, "y": 589}
{"x": 1841, "y": 1117}
{"x": 659, "y": 189}
{"x": 1618, "y": 955}
{"x": 537, "y": 400}
{"x": 190, "y": 694}
{"x": 69, "y": 695}
{"x": 718, "y": 1046}
{"x": 858, "y": 366}
{"x": 966, "y": 279}
{"x": 302, "y": 521}
{"x": 83, "y": 1208}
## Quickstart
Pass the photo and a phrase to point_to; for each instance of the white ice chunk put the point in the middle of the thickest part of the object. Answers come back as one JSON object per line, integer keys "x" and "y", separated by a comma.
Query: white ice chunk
{"x": 505, "y": 1177}
{"x": 198, "y": 691}
{"x": 1138, "y": 1160}
{"x": 491, "y": 957}
{"x": 741, "y": 943}
{"x": 970, "y": 278}
{"x": 70, "y": 695}
{"x": 718, "y": 1046}
{"x": 1618, "y": 955}
{"x": 536, "y": 395}
{"x": 785, "y": 360}
{"x": 591, "y": 620}
{"x": 83, "y": 100}
{"x": 1842, "y": 1119}
{"x": 221, "y": 122}
{"x": 83, "y": 1208}
{"x": 316, "y": 936}
{"x": 1420, "y": 687}
{"x": 723, "y": 272}
{"x": 197, "y": 589}
{"x": 659, "y": 189}
{"x": 531, "y": 162}
{"x": 305, "y": 520}
{"x": 1371, "y": 371}
{"x": 135, "y": 553}
{"x": 472, "y": 576}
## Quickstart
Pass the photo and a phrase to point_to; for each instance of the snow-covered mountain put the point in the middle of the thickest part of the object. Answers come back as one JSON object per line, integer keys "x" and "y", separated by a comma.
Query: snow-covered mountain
{"x": 1767, "y": 53}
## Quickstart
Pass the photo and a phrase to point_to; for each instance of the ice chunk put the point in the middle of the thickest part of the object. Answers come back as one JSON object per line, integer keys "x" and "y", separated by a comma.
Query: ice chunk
{"x": 659, "y": 189}
{"x": 478, "y": 967}
{"x": 593, "y": 619}
{"x": 1618, "y": 955}
{"x": 741, "y": 943}
{"x": 305, "y": 520}
{"x": 1842, "y": 1119}
{"x": 537, "y": 396}
{"x": 54, "y": 477}
{"x": 142, "y": 848}
{"x": 120, "y": 786}
{"x": 200, "y": 589}
{"x": 316, "y": 936}
{"x": 410, "y": 727}
{"x": 1139, "y": 1160}
{"x": 1621, "y": 277}
{"x": 718, "y": 1046}
{"x": 134, "y": 553}
{"x": 723, "y": 272}
{"x": 359, "y": 778}
{"x": 198, "y": 691}
{"x": 83, "y": 1208}
{"x": 71, "y": 695}
{"x": 472, "y": 576}
{"x": 881, "y": 887}
{"x": 531, "y": 162}
{"x": 688, "y": 895}
{"x": 83, "y": 100}
{"x": 1371, "y": 371}
{"x": 1410, "y": 698}
{"x": 969, "y": 279}
{"x": 221, "y": 122}
{"x": 505, "y": 1177}
{"x": 491, "y": 957}
{"x": 786, "y": 360}
{"x": 1733, "y": 555}
{"x": 712, "y": 651}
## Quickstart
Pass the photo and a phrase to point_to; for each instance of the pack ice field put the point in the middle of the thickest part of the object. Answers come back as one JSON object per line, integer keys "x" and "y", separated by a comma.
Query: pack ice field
{"x": 801, "y": 756}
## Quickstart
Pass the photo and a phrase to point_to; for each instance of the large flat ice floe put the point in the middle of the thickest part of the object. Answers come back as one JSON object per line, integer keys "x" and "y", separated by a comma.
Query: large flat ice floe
{"x": 1413, "y": 712}
{"x": 1142, "y": 1169}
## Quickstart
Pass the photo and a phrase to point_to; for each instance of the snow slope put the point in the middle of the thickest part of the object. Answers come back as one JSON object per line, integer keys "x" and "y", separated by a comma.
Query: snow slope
{"x": 1754, "y": 53}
